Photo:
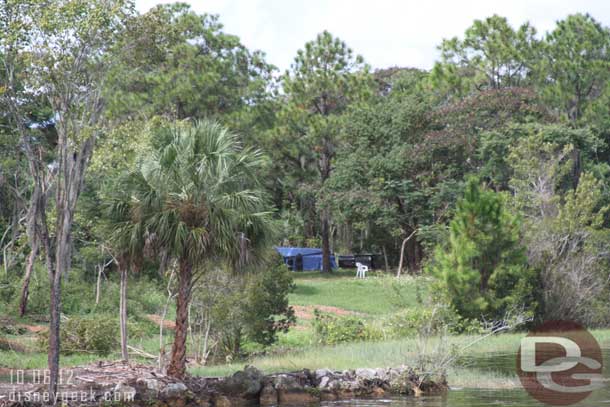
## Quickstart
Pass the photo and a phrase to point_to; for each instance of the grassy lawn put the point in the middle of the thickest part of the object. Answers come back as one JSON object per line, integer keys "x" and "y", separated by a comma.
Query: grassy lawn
{"x": 376, "y": 295}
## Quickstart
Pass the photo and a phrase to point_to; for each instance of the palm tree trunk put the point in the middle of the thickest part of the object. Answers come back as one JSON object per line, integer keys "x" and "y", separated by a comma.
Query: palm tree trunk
{"x": 177, "y": 367}
{"x": 123, "y": 310}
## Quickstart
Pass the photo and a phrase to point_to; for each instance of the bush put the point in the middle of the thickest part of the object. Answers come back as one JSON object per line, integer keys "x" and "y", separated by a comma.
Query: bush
{"x": 7, "y": 292}
{"x": 93, "y": 334}
{"x": 240, "y": 309}
{"x": 434, "y": 319}
{"x": 331, "y": 329}
{"x": 267, "y": 310}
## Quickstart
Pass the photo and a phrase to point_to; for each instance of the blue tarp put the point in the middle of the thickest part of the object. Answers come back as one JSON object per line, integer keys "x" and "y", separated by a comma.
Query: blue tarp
{"x": 312, "y": 258}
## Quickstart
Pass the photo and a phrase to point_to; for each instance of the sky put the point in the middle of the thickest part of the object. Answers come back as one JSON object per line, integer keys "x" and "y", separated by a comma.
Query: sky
{"x": 386, "y": 33}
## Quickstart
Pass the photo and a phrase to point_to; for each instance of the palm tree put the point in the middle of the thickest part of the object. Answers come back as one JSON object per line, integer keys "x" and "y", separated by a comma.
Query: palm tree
{"x": 200, "y": 197}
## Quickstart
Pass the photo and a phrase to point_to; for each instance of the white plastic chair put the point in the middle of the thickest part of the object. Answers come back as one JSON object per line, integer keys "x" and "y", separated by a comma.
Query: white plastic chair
{"x": 362, "y": 269}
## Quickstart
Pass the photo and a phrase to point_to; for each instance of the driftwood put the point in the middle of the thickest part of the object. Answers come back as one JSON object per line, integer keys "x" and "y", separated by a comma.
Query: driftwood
{"x": 142, "y": 353}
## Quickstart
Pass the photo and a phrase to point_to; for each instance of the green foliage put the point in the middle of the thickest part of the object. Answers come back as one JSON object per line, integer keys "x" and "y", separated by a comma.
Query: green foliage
{"x": 564, "y": 211}
{"x": 500, "y": 150}
{"x": 324, "y": 80}
{"x": 576, "y": 65}
{"x": 267, "y": 311}
{"x": 175, "y": 63}
{"x": 434, "y": 319}
{"x": 483, "y": 270}
{"x": 238, "y": 310}
{"x": 492, "y": 55}
{"x": 331, "y": 329}
{"x": 359, "y": 160}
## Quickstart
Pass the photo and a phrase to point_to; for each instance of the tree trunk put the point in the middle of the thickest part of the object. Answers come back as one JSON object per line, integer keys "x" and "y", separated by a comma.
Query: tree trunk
{"x": 413, "y": 255}
{"x": 325, "y": 243}
{"x": 402, "y": 252}
{"x": 177, "y": 367}
{"x": 98, "y": 284}
{"x": 63, "y": 257}
{"x": 54, "y": 320}
{"x": 123, "y": 310}
{"x": 385, "y": 259}
{"x": 25, "y": 289}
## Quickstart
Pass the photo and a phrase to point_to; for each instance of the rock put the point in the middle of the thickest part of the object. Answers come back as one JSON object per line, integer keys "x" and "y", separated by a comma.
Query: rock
{"x": 377, "y": 392}
{"x": 303, "y": 396}
{"x": 324, "y": 382}
{"x": 243, "y": 384}
{"x": 125, "y": 392}
{"x": 151, "y": 384}
{"x": 369, "y": 374}
{"x": 296, "y": 388}
{"x": 328, "y": 396}
{"x": 320, "y": 373}
{"x": 177, "y": 402}
{"x": 222, "y": 401}
{"x": 268, "y": 396}
{"x": 174, "y": 390}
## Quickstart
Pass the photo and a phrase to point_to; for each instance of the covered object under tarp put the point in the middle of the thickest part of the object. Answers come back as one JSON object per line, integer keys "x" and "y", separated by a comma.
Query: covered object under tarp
{"x": 303, "y": 258}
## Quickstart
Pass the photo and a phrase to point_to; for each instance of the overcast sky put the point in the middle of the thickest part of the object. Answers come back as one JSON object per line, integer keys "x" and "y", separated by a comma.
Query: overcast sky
{"x": 386, "y": 32}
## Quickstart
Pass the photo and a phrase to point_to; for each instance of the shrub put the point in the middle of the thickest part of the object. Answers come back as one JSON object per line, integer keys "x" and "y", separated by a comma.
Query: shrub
{"x": 267, "y": 311}
{"x": 7, "y": 291}
{"x": 331, "y": 329}
{"x": 434, "y": 319}
{"x": 239, "y": 309}
{"x": 93, "y": 334}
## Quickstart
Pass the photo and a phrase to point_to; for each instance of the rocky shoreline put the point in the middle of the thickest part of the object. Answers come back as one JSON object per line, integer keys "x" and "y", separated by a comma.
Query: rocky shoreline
{"x": 140, "y": 385}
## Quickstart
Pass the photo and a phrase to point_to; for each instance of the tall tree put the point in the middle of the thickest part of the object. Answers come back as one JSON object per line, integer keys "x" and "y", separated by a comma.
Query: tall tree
{"x": 324, "y": 79}
{"x": 179, "y": 64}
{"x": 492, "y": 55}
{"x": 57, "y": 52}
{"x": 576, "y": 65}
{"x": 199, "y": 196}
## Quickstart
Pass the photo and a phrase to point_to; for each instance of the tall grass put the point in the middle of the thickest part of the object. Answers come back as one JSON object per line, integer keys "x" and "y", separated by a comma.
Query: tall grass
{"x": 398, "y": 352}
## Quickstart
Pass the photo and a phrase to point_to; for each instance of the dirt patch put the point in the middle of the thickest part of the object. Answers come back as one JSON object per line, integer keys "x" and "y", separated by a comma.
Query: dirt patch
{"x": 306, "y": 311}
{"x": 167, "y": 324}
{"x": 35, "y": 329}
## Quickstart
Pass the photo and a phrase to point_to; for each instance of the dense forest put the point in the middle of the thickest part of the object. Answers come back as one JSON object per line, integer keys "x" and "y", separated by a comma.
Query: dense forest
{"x": 156, "y": 148}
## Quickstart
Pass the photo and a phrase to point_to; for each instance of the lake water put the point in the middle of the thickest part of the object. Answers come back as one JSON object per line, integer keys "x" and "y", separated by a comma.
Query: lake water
{"x": 497, "y": 365}
{"x": 473, "y": 398}
{"x": 493, "y": 365}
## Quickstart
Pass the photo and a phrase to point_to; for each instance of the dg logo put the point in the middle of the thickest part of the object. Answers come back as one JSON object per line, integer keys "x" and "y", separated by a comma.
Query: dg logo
{"x": 560, "y": 363}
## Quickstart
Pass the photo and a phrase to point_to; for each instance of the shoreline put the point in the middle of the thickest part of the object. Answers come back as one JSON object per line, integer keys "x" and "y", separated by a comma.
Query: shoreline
{"x": 135, "y": 384}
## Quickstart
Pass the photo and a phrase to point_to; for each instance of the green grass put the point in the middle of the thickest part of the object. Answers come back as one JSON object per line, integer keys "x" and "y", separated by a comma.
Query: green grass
{"x": 397, "y": 352}
{"x": 375, "y": 295}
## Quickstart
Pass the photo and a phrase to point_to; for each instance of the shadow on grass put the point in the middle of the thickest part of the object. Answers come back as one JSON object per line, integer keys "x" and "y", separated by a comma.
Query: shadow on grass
{"x": 335, "y": 274}
{"x": 305, "y": 290}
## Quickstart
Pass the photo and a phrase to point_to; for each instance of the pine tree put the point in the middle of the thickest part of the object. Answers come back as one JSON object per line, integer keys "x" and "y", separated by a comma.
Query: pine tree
{"x": 483, "y": 269}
